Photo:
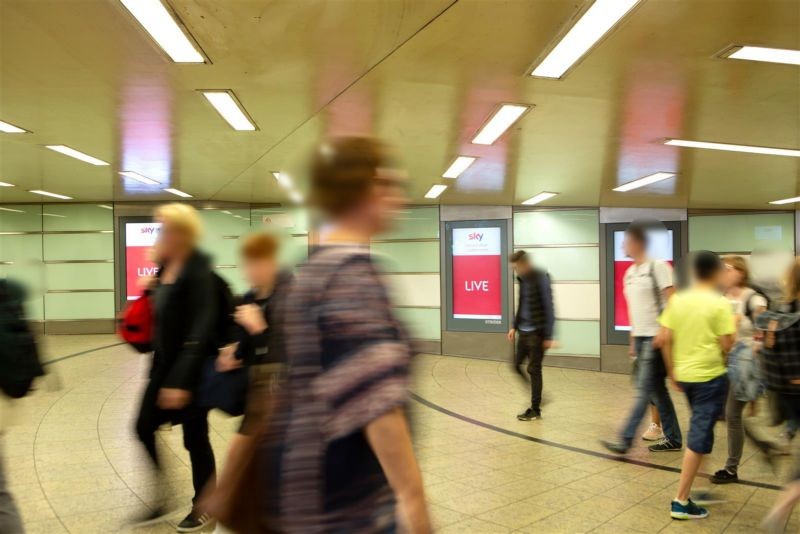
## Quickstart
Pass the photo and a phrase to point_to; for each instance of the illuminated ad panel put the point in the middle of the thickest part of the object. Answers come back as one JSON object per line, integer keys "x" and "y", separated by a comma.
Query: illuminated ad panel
{"x": 139, "y": 240}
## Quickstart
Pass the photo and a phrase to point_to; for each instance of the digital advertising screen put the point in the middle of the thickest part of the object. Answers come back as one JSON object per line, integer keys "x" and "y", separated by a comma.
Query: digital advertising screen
{"x": 139, "y": 239}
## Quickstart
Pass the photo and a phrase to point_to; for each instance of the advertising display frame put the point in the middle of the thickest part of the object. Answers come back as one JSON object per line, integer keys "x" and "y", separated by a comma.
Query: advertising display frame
{"x": 486, "y": 325}
{"x": 122, "y": 256}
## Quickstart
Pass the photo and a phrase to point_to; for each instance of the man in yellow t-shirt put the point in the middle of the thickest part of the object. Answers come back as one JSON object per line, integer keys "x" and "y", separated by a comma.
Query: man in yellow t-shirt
{"x": 699, "y": 329}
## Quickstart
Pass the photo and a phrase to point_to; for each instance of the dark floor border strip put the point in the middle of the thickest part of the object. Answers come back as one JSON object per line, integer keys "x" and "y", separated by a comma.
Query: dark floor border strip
{"x": 571, "y": 448}
{"x": 68, "y": 356}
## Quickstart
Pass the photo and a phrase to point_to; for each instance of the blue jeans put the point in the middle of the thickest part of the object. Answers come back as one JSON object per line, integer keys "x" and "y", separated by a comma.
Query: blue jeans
{"x": 651, "y": 389}
{"x": 707, "y": 401}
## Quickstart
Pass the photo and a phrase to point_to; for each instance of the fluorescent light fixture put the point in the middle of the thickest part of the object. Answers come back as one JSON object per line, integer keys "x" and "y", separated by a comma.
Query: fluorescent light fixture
{"x": 54, "y": 215}
{"x": 11, "y": 210}
{"x": 589, "y": 29}
{"x": 10, "y": 128}
{"x": 71, "y": 152}
{"x": 164, "y": 30}
{"x": 501, "y": 121}
{"x": 768, "y": 55}
{"x": 230, "y": 109}
{"x": 177, "y": 192}
{"x": 458, "y": 166}
{"x": 49, "y": 194}
{"x": 226, "y": 212}
{"x": 435, "y": 191}
{"x": 296, "y": 196}
{"x": 283, "y": 179}
{"x": 541, "y": 197}
{"x": 138, "y": 177}
{"x": 105, "y": 206}
{"x": 786, "y": 201}
{"x": 734, "y": 148}
{"x": 6, "y": 184}
{"x": 644, "y": 181}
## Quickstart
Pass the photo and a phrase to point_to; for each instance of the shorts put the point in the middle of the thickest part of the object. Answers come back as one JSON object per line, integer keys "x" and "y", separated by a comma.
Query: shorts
{"x": 707, "y": 401}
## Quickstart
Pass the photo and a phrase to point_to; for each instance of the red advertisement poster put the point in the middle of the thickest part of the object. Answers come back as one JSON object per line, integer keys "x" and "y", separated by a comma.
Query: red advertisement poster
{"x": 139, "y": 239}
{"x": 477, "y": 282}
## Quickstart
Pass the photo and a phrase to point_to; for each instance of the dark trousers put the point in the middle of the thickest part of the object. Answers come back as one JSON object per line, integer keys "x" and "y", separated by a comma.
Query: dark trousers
{"x": 194, "y": 420}
{"x": 530, "y": 347}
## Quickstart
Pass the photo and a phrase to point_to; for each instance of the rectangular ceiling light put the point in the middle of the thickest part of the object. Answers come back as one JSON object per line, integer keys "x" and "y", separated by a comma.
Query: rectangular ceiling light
{"x": 6, "y": 184}
{"x": 49, "y": 194}
{"x": 589, "y": 29}
{"x": 296, "y": 196}
{"x": 71, "y": 152}
{"x": 12, "y": 210}
{"x": 768, "y": 55}
{"x": 501, "y": 121}
{"x": 283, "y": 179}
{"x": 138, "y": 177}
{"x": 541, "y": 197}
{"x": 435, "y": 191}
{"x": 644, "y": 181}
{"x": 177, "y": 192}
{"x": 105, "y": 206}
{"x": 164, "y": 30}
{"x": 786, "y": 201}
{"x": 734, "y": 148}
{"x": 10, "y": 128}
{"x": 230, "y": 109}
{"x": 458, "y": 166}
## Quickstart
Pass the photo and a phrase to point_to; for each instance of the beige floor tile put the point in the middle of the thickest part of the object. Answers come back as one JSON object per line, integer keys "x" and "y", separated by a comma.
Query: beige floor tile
{"x": 442, "y": 517}
{"x": 447, "y": 490}
{"x": 475, "y": 525}
{"x": 559, "y": 499}
{"x": 641, "y": 519}
{"x": 523, "y": 488}
{"x": 477, "y": 503}
{"x": 601, "y": 507}
{"x": 563, "y": 523}
{"x": 516, "y": 515}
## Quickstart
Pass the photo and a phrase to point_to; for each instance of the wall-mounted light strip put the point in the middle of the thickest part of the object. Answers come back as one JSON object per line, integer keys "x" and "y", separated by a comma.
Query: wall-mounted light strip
{"x": 71, "y": 152}
{"x": 644, "y": 181}
{"x": 590, "y": 28}
{"x": 177, "y": 192}
{"x": 138, "y": 177}
{"x": 284, "y": 180}
{"x": 6, "y": 184}
{"x": 734, "y": 148}
{"x": 230, "y": 109}
{"x": 6, "y": 127}
{"x": 786, "y": 201}
{"x": 164, "y": 29}
{"x": 461, "y": 164}
{"x": 435, "y": 191}
{"x": 54, "y": 215}
{"x": 105, "y": 206}
{"x": 11, "y": 210}
{"x": 49, "y": 194}
{"x": 541, "y": 197}
{"x": 761, "y": 53}
{"x": 502, "y": 119}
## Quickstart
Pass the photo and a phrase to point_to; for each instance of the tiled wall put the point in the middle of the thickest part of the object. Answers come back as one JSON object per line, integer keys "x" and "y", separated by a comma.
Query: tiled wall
{"x": 742, "y": 233}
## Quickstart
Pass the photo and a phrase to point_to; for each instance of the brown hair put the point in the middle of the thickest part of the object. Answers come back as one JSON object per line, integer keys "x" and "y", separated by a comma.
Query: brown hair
{"x": 259, "y": 247}
{"x": 740, "y": 264}
{"x": 343, "y": 170}
{"x": 519, "y": 255}
{"x": 792, "y": 282}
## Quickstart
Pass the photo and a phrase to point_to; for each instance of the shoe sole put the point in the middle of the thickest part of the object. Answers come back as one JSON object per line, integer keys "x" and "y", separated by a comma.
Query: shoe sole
{"x": 652, "y": 439}
{"x": 724, "y": 480}
{"x": 684, "y": 517}
{"x": 193, "y": 529}
{"x": 664, "y": 450}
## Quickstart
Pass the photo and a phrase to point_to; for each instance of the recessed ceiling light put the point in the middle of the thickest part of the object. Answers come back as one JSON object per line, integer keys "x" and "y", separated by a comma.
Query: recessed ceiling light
{"x": 589, "y": 29}
{"x": 283, "y": 179}
{"x": 177, "y": 192}
{"x": 734, "y": 148}
{"x": 761, "y": 53}
{"x": 138, "y": 177}
{"x": 541, "y": 197}
{"x": 6, "y": 184}
{"x": 435, "y": 191}
{"x": 458, "y": 166}
{"x": 644, "y": 181}
{"x": 11, "y": 210}
{"x": 501, "y": 121}
{"x": 786, "y": 201}
{"x": 71, "y": 152}
{"x": 226, "y": 212}
{"x": 10, "y": 128}
{"x": 231, "y": 110}
{"x": 49, "y": 194}
{"x": 105, "y": 206}
{"x": 164, "y": 30}
{"x": 296, "y": 196}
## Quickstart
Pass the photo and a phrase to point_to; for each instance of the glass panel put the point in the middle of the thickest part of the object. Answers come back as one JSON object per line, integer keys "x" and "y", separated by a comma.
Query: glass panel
{"x": 283, "y": 220}
{"x": 294, "y": 250}
{"x": 79, "y": 306}
{"x": 235, "y": 280}
{"x": 422, "y": 323}
{"x": 62, "y": 217}
{"x": 414, "y": 289}
{"x": 415, "y": 257}
{"x": 577, "y": 338}
{"x": 218, "y": 223}
{"x": 415, "y": 223}
{"x": 742, "y": 233}
{"x": 556, "y": 227}
{"x": 79, "y": 247}
{"x": 79, "y": 276}
{"x": 575, "y": 263}
{"x": 21, "y": 218}
{"x": 29, "y": 274}
{"x": 222, "y": 251}
{"x": 20, "y": 247}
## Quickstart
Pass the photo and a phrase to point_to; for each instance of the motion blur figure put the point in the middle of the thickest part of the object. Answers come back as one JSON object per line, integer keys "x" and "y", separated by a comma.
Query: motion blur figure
{"x": 185, "y": 304}
{"x": 346, "y": 462}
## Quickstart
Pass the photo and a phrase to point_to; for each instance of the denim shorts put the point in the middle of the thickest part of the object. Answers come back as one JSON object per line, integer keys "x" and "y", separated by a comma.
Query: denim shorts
{"x": 707, "y": 401}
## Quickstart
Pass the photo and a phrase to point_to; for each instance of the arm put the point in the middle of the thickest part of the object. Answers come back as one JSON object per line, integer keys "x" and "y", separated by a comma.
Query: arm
{"x": 726, "y": 342}
{"x": 390, "y": 439}
{"x": 666, "y": 353}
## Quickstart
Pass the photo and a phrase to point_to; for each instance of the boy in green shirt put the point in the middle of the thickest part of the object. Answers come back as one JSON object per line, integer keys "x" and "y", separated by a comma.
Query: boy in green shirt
{"x": 698, "y": 329}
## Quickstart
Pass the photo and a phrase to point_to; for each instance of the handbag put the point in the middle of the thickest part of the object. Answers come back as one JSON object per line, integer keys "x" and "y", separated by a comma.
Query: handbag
{"x": 224, "y": 391}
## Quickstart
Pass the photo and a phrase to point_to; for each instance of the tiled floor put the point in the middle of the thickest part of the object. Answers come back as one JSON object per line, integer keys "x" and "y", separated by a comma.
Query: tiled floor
{"x": 75, "y": 466}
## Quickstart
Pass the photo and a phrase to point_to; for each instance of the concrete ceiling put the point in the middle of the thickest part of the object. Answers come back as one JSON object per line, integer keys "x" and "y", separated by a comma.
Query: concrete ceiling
{"x": 422, "y": 74}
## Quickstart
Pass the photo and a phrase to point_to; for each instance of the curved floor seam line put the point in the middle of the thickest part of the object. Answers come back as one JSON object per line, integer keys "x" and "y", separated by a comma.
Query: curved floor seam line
{"x": 571, "y": 448}
{"x": 68, "y": 356}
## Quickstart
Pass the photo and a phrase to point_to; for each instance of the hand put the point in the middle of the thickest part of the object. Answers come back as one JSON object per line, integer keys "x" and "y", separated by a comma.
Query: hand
{"x": 511, "y": 334}
{"x": 227, "y": 360}
{"x": 632, "y": 350}
{"x": 658, "y": 340}
{"x": 173, "y": 398}
{"x": 675, "y": 384}
{"x": 547, "y": 344}
{"x": 250, "y": 317}
{"x": 146, "y": 283}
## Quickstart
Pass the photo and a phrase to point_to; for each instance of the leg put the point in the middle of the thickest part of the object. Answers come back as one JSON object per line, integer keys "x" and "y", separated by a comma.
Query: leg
{"x": 643, "y": 385}
{"x": 195, "y": 440}
{"x": 733, "y": 414}
{"x": 10, "y": 521}
{"x": 689, "y": 468}
{"x": 655, "y": 417}
{"x": 150, "y": 417}
{"x": 520, "y": 353}
{"x": 778, "y": 516}
{"x": 660, "y": 397}
{"x": 536, "y": 352}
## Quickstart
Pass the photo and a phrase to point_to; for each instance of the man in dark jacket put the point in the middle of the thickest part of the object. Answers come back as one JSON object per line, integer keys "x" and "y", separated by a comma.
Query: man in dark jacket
{"x": 533, "y": 322}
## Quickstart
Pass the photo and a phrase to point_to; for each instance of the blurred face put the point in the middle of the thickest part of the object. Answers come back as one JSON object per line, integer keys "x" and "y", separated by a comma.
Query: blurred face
{"x": 260, "y": 272}
{"x": 386, "y": 199}
{"x": 732, "y": 277}
{"x": 632, "y": 247}
{"x": 172, "y": 239}
{"x": 521, "y": 267}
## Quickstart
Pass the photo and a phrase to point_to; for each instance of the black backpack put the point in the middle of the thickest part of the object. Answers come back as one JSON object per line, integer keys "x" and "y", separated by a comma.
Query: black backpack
{"x": 748, "y": 308}
{"x": 780, "y": 354}
{"x": 19, "y": 355}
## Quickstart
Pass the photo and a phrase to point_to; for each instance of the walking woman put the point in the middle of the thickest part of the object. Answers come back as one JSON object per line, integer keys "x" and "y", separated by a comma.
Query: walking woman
{"x": 184, "y": 299}
{"x": 347, "y": 464}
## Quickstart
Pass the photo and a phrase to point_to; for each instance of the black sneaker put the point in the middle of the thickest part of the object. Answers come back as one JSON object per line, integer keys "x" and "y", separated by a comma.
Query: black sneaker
{"x": 529, "y": 415}
{"x": 723, "y": 476}
{"x": 665, "y": 445}
{"x": 149, "y": 517}
{"x": 614, "y": 446}
{"x": 194, "y": 522}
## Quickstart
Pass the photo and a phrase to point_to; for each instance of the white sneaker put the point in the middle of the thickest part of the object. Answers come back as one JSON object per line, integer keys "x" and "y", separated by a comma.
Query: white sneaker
{"x": 653, "y": 433}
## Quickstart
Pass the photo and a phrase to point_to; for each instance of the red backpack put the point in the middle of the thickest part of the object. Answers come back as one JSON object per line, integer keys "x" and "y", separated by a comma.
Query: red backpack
{"x": 136, "y": 324}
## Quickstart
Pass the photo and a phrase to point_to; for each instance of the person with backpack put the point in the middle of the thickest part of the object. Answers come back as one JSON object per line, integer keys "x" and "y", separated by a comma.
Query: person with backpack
{"x": 186, "y": 334}
{"x": 747, "y": 304}
{"x": 648, "y": 285}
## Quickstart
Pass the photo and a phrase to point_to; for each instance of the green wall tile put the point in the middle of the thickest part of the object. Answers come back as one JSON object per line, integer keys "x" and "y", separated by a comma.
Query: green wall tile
{"x": 72, "y": 217}
{"x": 568, "y": 263}
{"x": 581, "y": 338}
{"x": 415, "y": 223}
{"x": 742, "y": 233}
{"x": 410, "y": 257}
{"x": 422, "y": 323}
{"x": 79, "y": 275}
{"x": 283, "y": 220}
{"x": 79, "y": 247}
{"x": 21, "y": 247}
{"x": 61, "y": 306}
{"x": 556, "y": 227}
{"x": 24, "y": 218}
